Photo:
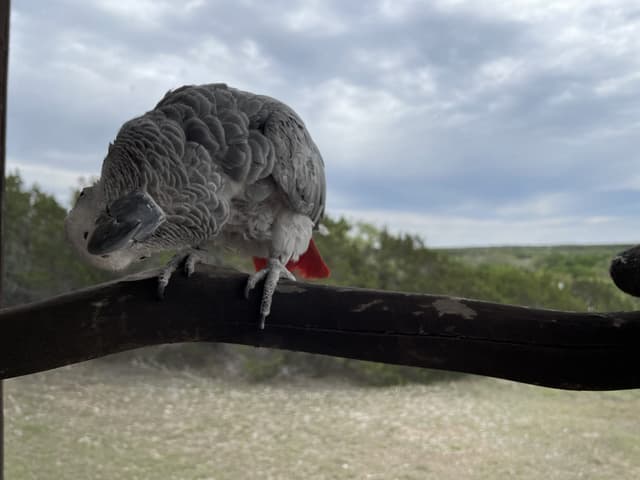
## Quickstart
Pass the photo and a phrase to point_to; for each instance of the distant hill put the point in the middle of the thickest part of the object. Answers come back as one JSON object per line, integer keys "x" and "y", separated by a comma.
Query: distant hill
{"x": 596, "y": 258}
{"x": 582, "y": 268}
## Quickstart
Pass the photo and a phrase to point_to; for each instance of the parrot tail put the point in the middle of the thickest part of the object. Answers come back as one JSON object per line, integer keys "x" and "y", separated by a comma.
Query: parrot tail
{"x": 309, "y": 265}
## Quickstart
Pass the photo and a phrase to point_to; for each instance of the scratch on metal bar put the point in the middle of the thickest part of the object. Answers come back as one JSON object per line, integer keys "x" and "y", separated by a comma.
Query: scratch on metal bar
{"x": 366, "y": 306}
{"x": 449, "y": 306}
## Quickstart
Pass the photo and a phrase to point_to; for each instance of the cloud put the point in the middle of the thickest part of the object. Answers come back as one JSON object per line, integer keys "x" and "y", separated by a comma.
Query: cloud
{"x": 149, "y": 14}
{"x": 454, "y": 108}
{"x": 462, "y": 231}
{"x": 57, "y": 181}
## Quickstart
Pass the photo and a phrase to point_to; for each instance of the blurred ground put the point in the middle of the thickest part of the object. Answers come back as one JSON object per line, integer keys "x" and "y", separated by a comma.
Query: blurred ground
{"x": 108, "y": 421}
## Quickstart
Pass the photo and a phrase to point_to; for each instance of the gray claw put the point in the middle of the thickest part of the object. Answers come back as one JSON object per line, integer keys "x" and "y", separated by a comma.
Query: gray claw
{"x": 254, "y": 280}
{"x": 190, "y": 260}
{"x": 162, "y": 284}
{"x": 190, "y": 264}
{"x": 272, "y": 272}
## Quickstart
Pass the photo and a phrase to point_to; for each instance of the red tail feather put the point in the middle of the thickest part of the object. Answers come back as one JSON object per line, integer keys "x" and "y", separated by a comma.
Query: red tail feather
{"x": 309, "y": 265}
{"x": 259, "y": 263}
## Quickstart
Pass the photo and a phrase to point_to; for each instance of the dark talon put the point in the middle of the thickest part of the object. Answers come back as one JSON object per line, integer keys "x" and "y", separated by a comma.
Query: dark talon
{"x": 160, "y": 290}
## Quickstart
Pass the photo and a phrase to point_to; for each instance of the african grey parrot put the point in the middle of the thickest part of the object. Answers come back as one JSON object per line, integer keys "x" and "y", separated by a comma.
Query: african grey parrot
{"x": 208, "y": 165}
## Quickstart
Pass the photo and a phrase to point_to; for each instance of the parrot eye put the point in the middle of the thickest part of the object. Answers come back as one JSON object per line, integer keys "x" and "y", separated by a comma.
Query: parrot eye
{"x": 143, "y": 257}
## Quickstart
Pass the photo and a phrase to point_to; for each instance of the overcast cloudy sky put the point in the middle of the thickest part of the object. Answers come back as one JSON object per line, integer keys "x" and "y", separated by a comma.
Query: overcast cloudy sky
{"x": 467, "y": 122}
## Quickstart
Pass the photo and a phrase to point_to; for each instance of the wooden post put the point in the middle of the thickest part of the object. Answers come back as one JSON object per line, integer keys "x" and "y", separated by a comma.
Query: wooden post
{"x": 5, "y": 8}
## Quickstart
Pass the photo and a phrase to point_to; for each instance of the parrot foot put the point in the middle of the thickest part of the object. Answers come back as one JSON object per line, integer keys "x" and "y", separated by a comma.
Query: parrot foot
{"x": 188, "y": 260}
{"x": 272, "y": 273}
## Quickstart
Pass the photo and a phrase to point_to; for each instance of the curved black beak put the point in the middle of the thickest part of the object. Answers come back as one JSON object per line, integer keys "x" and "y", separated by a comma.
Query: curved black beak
{"x": 134, "y": 216}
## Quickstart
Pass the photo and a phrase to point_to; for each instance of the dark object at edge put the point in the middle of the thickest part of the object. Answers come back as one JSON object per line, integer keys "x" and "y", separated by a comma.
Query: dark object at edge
{"x": 625, "y": 271}
{"x": 5, "y": 13}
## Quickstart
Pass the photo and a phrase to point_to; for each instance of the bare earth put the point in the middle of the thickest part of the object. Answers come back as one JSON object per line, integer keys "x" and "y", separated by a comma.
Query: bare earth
{"x": 96, "y": 421}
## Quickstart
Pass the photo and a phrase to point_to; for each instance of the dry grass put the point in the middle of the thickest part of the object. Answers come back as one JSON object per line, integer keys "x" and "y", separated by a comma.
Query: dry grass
{"x": 95, "y": 421}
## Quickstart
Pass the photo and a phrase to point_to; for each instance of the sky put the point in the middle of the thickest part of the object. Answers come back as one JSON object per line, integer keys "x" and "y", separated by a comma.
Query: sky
{"x": 468, "y": 123}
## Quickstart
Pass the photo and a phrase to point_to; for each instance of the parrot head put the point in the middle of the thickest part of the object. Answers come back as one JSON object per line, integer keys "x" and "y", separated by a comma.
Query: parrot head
{"x": 112, "y": 235}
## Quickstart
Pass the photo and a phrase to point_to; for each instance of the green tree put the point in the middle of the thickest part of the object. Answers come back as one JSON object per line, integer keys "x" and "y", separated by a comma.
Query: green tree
{"x": 39, "y": 262}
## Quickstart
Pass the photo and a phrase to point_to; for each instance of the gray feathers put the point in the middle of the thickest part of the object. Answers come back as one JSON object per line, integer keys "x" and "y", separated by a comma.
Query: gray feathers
{"x": 299, "y": 169}
{"x": 212, "y": 117}
{"x": 206, "y": 150}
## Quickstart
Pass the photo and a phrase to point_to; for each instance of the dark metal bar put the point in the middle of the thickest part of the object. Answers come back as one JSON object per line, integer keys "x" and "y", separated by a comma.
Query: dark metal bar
{"x": 569, "y": 350}
{"x": 5, "y": 9}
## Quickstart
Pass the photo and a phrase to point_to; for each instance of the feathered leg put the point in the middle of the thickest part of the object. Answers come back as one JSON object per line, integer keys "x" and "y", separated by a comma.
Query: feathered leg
{"x": 290, "y": 238}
